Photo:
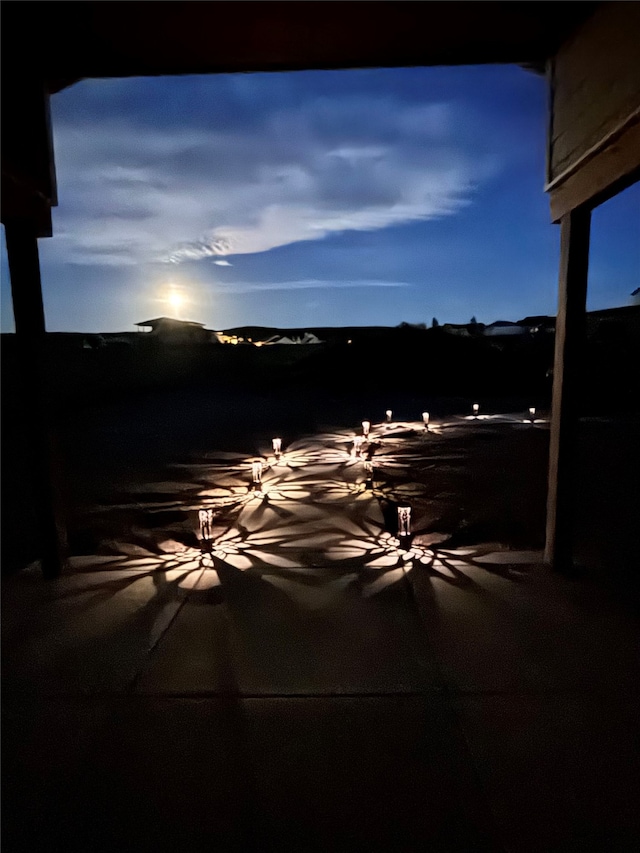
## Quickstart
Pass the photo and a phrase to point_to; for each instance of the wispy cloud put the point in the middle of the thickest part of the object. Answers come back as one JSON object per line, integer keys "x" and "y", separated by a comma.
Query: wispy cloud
{"x": 132, "y": 194}
{"x": 304, "y": 284}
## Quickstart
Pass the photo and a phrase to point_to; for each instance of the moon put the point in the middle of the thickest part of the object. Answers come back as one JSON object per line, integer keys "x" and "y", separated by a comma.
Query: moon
{"x": 176, "y": 301}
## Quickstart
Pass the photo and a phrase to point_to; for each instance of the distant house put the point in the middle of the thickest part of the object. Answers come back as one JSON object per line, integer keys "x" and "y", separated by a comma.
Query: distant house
{"x": 307, "y": 338}
{"x": 457, "y": 329}
{"x": 93, "y": 342}
{"x": 609, "y": 323}
{"x": 229, "y": 339}
{"x": 465, "y": 330}
{"x": 405, "y": 325}
{"x": 539, "y": 323}
{"x": 172, "y": 331}
{"x": 502, "y": 328}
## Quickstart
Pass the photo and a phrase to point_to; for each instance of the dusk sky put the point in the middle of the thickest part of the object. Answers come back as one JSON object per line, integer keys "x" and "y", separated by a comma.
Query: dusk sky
{"x": 366, "y": 197}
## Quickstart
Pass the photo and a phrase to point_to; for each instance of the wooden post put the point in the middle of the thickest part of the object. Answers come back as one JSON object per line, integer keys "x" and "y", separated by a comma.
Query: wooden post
{"x": 26, "y": 292}
{"x": 569, "y": 345}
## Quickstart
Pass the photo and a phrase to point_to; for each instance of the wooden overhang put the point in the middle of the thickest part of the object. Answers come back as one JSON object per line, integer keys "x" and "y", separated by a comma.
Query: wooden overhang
{"x": 47, "y": 46}
{"x": 594, "y": 118}
{"x": 71, "y": 40}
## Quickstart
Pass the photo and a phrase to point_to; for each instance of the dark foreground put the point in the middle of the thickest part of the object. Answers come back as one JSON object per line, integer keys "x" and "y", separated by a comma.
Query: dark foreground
{"x": 313, "y": 684}
{"x": 498, "y": 711}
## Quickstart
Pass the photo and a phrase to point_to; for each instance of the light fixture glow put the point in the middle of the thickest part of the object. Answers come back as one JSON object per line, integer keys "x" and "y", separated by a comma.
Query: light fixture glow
{"x": 357, "y": 445}
{"x": 368, "y": 470}
{"x": 404, "y": 521}
{"x": 476, "y": 409}
{"x": 366, "y": 426}
{"x": 277, "y": 447}
{"x": 205, "y": 520}
{"x": 532, "y": 413}
{"x": 425, "y": 419}
{"x": 205, "y": 517}
{"x": 389, "y": 415}
{"x": 256, "y": 473}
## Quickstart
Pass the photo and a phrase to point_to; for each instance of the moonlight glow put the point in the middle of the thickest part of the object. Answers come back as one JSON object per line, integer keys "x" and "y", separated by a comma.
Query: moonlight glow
{"x": 176, "y": 301}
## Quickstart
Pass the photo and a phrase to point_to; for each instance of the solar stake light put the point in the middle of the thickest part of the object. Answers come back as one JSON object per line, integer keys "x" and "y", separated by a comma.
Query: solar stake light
{"x": 389, "y": 415}
{"x": 476, "y": 409}
{"x": 357, "y": 445}
{"x": 532, "y": 414}
{"x": 404, "y": 521}
{"x": 366, "y": 426}
{"x": 425, "y": 419}
{"x": 277, "y": 447}
{"x": 205, "y": 519}
{"x": 368, "y": 470}
{"x": 256, "y": 475}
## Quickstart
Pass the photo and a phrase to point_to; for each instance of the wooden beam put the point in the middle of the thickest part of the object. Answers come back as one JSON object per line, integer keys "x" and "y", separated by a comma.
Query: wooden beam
{"x": 191, "y": 37}
{"x": 570, "y": 337}
{"x": 615, "y": 166}
{"x": 26, "y": 291}
{"x": 27, "y": 139}
{"x": 20, "y": 202}
{"x": 26, "y": 287}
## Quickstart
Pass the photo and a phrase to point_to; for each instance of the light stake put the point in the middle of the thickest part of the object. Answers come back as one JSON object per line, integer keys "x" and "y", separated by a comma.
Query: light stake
{"x": 368, "y": 469}
{"x": 404, "y": 521}
{"x": 425, "y": 420}
{"x": 256, "y": 474}
{"x": 532, "y": 414}
{"x": 357, "y": 445}
{"x": 205, "y": 517}
{"x": 389, "y": 415}
{"x": 476, "y": 409}
{"x": 277, "y": 447}
{"x": 366, "y": 426}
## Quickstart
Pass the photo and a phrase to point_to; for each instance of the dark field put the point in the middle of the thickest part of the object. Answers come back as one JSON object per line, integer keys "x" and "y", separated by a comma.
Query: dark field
{"x": 123, "y": 418}
{"x": 308, "y": 682}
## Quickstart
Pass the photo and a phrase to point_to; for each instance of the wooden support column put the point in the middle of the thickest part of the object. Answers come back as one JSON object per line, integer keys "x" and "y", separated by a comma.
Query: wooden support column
{"x": 26, "y": 291}
{"x": 569, "y": 347}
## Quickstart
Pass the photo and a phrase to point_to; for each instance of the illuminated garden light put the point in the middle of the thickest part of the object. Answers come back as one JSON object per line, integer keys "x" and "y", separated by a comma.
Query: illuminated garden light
{"x": 389, "y": 415}
{"x": 357, "y": 445}
{"x": 476, "y": 409}
{"x": 205, "y": 519}
{"x": 366, "y": 426}
{"x": 532, "y": 414}
{"x": 404, "y": 521}
{"x": 368, "y": 470}
{"x": 277, "y": 447}
{"x": 425, "y": 419}
{"x": 256, "y": 474}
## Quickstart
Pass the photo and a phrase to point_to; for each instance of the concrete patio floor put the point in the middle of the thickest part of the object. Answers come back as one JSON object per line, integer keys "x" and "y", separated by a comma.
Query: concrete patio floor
{"x": 310, "y": 685}
{"x": 496, "y": 712}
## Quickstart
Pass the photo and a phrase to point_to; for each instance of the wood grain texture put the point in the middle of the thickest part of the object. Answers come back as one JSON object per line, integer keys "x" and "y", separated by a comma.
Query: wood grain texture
{"x": 595, "y": 85}
{"x": 570, "y": 336}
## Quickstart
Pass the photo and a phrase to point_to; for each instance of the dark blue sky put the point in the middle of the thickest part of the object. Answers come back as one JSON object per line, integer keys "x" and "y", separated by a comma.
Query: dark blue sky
{"x": 315, "y": 198}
